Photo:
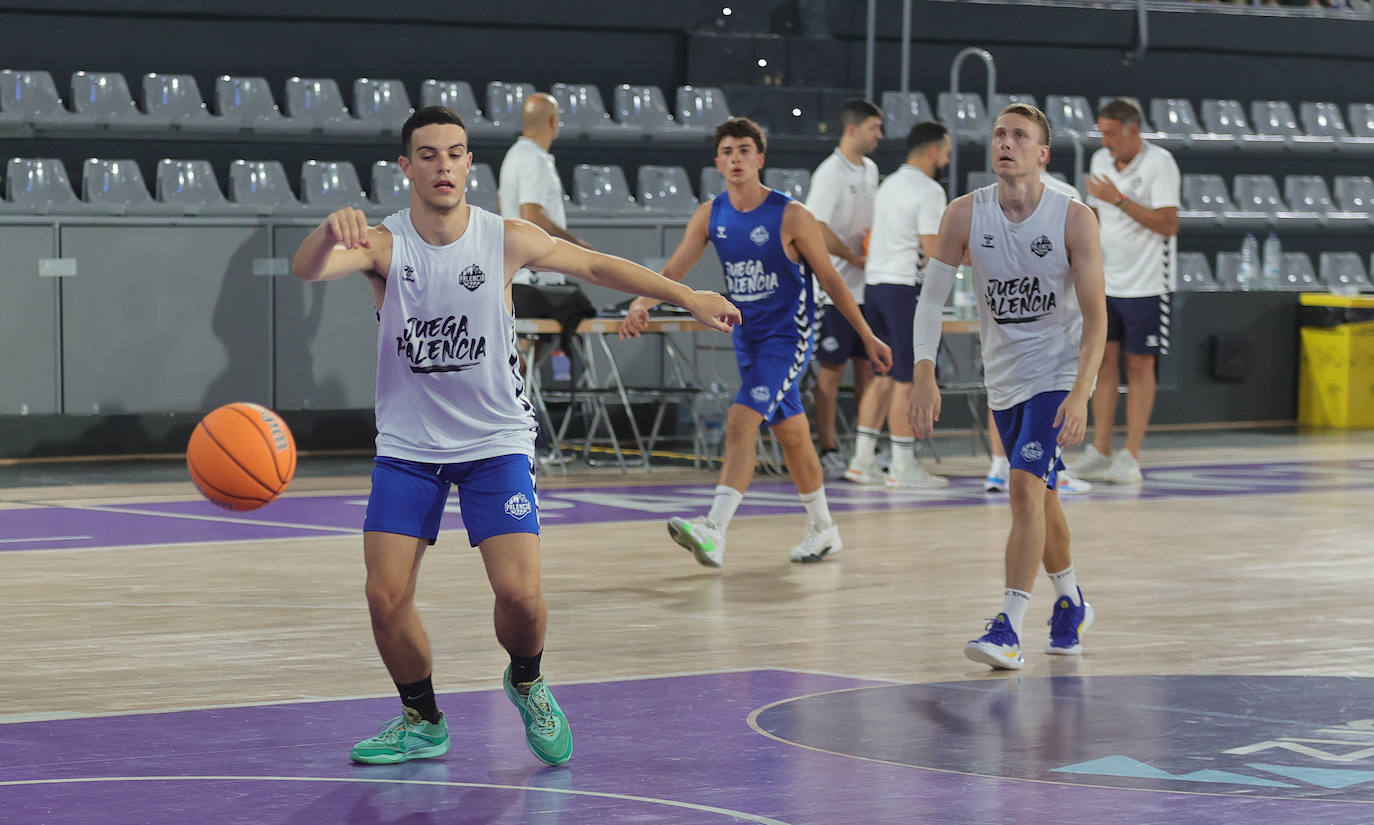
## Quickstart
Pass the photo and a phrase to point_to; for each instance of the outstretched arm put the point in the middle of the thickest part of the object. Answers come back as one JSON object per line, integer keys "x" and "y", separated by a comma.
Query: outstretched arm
{"x": 689, "y": 251}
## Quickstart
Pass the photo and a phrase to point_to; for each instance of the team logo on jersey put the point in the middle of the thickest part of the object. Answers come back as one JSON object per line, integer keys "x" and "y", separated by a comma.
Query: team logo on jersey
{"x": 517, "y": 506}
{"x": 1152, "y": 341}
{"x": 829, "y": 344}
{"x": 987, "y": 242}
{"x": 759, "y": 236}
{"x": 1042, "y": 246}
{"x": 408, "y": 274}
{"x": 472, "y": 277}
{"x": 1033, "y": 451}
{"x": 720, "y": 232}
{"x": 760, "y": 394}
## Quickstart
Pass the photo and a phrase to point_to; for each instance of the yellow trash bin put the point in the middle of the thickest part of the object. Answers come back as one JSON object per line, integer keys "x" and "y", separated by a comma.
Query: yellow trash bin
{"x": 1336, "y": 376}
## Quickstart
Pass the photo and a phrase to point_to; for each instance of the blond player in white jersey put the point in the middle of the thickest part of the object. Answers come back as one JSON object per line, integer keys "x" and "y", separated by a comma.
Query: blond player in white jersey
{"x": 1037, "y": 266}
{"x": 452, "y": 409}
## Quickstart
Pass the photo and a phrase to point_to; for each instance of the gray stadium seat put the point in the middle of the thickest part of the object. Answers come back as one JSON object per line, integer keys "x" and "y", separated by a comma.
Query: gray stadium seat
{"x": 700, "y": 108}
{"x": 1070, "y": 113}
{"x": 1194, "y": 274}
{"x": 246, "y": 103}
{"x": 1227, "y": 117}
{"x": 584, "y": 114}
{"x": 1228, "y": 272}
{"x": 1261, "y": 193}
{"x": 330, "y": 185}
{"x": 603, "y": 191}
{"x": 1178, "y": 124}
{"x": 1361, "y": 119}
{"x": 1355, "y": 193}
{"x": 1343, "y": 269}
{"x": 1275, "y": 117}
{"x": 191, "y": 186}
{"x": 177, "y": 98}
{"x": 665, "y": 190}
{"x": 116, "y": 187}
{"x": 645, "y": 108}
{"x": 106, "y": 95}
{"x": 39, "y": 186}
{"x": 318, "y": 103}
{"x": 1001, "y": 101}
{"x": 383, "y": 104}
{"x": 390, "y": 188}
{"x": 31, "y": 97}
{"x": 482, "y": 191}
{"x": 457, "y": 95}
{"x": 712, "y": 183}
{"x": 901, "y": 111}
{"x": 965, "y": 116}
{"x": 1326, "y": 119}
{"x": 1297, "y": 272}
{"x": 1205, "y": 199}
{"x": 262, "y": 185}
{"x": 504, "y": 101}
{"x": 794, "y": 182}
{"x": 1308, "y": 193}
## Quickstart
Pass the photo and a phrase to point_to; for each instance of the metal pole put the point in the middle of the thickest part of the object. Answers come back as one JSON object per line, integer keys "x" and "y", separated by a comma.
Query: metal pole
{"x": 1143, "y": 25}
{"x": 991, "y": 65}
{"x": 868, "y": 55}
{"x": 906, "y": 46}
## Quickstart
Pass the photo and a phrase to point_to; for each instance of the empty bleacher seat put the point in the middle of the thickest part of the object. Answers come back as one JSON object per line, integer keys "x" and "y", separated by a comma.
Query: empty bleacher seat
{"x": 1177, "y": 125}
{"x": 177, "y": 98}
{"x": 457, "y": 95}
{"x": 665, "y": 190}
{"x": 262, "y": 185}
{"x": 603, "y": 191}
{"x": 1002, "y": 100}
{"x": 246, "y": 103}
{"x": 584, "y": 113}
{"x": 1326, "y": 119}
{"x": 504, "y": 101}
{"x": 1205, "y": 201}
{"x": 1194, "y": 274}
{"x": 31, "y": 98}
{"x": 116, "y": 187}
{"x": 382, "y": 103}
{"x": 1070, "y": 113}
{"x": 1308, "y": 193}
{"x": 700, "y": 108}
{"x": 1355, "y": 193}
{"x": 1275, "y": 117}
{"x": 1228, "y": 272}
{"x": 318, "y": 102}
{"x": 965, "y": 116}
{"x": 645, "y": 108}
{"x": 1227, "y": 117}
{"x": 482, "y": 191}
{"x": 1297, "y": 273}
{"x": 40, "y": 186}
{"x": 1343, "y": 270}
{"x": 1260, "y": 193}
{"x": 191, "y": 186}
{"x": 712, "y": 183}
{"x": 106, "y": 95}
{"x": 330, "y": 185}
{"x": 390, "y": 187}
{"x": 1361, "y": 120}
{"x": 794, "y": 182}
{"x": 901, "y": 111}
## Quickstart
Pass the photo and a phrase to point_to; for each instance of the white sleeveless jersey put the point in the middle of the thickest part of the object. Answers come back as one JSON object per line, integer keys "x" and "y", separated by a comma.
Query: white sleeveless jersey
{"x": 449, "y": 387}
{"x": 1031, "y": 325}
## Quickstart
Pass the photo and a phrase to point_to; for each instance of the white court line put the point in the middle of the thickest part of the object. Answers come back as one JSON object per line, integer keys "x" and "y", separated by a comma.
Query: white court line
{"x": 736, "y": 815}
{"x": 44, "y": 538}
{"x": 194, "y": 517}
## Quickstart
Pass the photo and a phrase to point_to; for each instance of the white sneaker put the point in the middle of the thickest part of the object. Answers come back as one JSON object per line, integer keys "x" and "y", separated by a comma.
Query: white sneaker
{"x": 833, "y": 465}
{"x": 701, "y": 536}
{"x": 821, "y": 541}
{"x": 865, "y": 472}
{"x": 916, "y": 478}
{"x": 1092, "y": 466}
{"x": 1125, "y": 469}
{"x": 1069, "y": 484}
{"x": 999, "y": 475}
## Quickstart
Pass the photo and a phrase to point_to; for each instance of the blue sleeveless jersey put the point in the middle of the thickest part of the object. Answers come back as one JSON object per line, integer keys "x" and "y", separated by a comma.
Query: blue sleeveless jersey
{"x": 773, "y": 292}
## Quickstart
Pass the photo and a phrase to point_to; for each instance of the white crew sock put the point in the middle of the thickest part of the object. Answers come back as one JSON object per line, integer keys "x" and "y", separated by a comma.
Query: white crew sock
{"x": 1014, "y": 604}
{"x": 723, "y": 506}
{"x": 903, "y": 454}
{"x": 817, "y": 510}
{"x": 1065, "y": 583}
{"x": 865, "y": 445}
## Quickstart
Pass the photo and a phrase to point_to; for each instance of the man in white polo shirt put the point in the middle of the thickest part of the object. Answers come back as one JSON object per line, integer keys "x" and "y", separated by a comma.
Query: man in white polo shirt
{"x": 841, "y": 198}
{"x": 529, "y": 187}
{"x": 906, "y": 223}
{"x": 1134, "y": 186}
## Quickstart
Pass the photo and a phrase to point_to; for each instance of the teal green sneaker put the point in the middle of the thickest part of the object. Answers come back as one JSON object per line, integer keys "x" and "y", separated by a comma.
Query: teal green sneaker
{"x": 546, "y": 728}
{"x": 401, "y": 739}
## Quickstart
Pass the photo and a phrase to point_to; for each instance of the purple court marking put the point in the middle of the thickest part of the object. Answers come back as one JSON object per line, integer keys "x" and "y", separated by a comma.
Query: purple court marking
{"x": 686, "y": 740}
{"x": 39, "y": 528}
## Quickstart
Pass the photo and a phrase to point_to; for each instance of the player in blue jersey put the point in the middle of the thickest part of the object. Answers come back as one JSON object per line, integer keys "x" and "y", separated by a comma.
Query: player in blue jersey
{"x": 769, "y": 246}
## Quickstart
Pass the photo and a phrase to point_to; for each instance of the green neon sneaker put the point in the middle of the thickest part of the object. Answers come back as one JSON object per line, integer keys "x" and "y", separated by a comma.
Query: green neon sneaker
{"x": 546, "y": 728}
{"x": 701, "y": 536}
{"x": 401, "y": 739}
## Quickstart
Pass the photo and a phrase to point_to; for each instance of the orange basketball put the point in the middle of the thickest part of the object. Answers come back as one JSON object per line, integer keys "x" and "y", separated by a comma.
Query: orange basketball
{"x": 241, "y": 456}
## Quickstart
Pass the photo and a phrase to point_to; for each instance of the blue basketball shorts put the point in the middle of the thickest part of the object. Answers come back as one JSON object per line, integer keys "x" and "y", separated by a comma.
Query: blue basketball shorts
{"x": 770, "y": 371}
{"x": 496, "y": 495}
{"x": 890, "y": 310}
{"x": 1030, "y": 437}
{"x": 839, "y": 340}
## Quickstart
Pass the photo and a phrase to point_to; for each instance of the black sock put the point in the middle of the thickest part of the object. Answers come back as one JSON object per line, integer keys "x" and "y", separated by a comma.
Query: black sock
{"x": 524, "y": 668}
{"x": 419, "y": 697}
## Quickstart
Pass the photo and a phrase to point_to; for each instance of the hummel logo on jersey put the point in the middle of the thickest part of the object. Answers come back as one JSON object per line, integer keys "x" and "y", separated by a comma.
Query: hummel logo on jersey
{"x": 408, "y": 274}
{"x": 759, "y": 235}
{"x": 720, "y": 232}
{"x": 472, "y": 277}
{"x": 517, "y": 506}
{"x": 1042, "y": 246}
{"x": 987, "y": 242}
{"x": 1033, "y": 451}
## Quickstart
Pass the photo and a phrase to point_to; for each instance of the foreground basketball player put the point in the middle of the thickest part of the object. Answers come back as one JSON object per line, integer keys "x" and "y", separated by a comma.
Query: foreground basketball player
{"x": 766, "y": 242}
{"x": 452, "y": 409}
{"x": 1037, "y": 267}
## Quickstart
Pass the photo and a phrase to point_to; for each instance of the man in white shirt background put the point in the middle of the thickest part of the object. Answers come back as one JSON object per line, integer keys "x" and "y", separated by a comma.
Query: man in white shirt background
{"x": 1134, "y": 186}
{"x": 841, "y": 198}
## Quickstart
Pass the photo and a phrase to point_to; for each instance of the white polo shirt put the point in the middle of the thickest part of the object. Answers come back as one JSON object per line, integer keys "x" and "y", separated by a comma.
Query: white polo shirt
{"x": 1137, "y": 261}
{"x": 909, "y": 204}
{"x": 841, "y": 197}
{"x": 528, "y": 175}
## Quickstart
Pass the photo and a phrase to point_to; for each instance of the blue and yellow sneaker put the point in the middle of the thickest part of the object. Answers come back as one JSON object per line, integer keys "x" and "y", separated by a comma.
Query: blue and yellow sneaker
{"x": 701, "y": 536}
{"x": 998, "y": 647}
{"x": 546, "y": 728}
{"x": 406, "y": 737}
{"x": 1067, "y": 623}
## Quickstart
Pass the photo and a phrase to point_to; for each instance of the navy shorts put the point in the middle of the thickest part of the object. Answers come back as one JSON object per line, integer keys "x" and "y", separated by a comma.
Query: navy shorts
{"x": 890, "y": 309}
{"x": 1136, "y": 323}
{"x": 839, "y": 340}
{"x": 1030, "y": 437}
{"x": 496, "y": 495}
{"x": 770, "y": 373}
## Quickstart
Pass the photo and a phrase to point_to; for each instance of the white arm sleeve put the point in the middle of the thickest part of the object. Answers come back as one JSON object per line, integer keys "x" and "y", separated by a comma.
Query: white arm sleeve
{"x": 925, "y": 329}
